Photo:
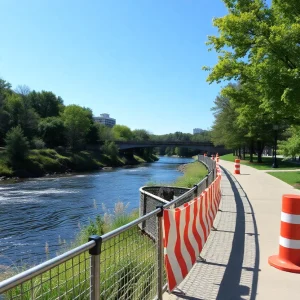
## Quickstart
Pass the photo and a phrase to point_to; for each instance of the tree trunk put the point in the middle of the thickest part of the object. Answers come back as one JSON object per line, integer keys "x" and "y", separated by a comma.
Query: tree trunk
{"x": 240, "y": 153}
{"x": 260, "y": 149}
{"x": 251, "y": 150}
{"x": 244, "y": 152}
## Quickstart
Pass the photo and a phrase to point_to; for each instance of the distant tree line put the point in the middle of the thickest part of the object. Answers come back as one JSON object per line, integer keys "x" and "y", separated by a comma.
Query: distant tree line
{"x": 32, "y": 119}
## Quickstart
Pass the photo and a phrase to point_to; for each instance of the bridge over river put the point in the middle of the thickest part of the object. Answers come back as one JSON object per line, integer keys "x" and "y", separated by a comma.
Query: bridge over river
{"x": 203, "y": 147}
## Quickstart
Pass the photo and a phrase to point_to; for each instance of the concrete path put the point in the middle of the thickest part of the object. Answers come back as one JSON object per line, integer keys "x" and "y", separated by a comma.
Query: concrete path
{"x": 237, "y": 254}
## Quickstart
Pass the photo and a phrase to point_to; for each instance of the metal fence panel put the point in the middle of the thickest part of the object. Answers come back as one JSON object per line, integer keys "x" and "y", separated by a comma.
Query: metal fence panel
{"x": 129, "y": 266}
{"x": 130, "y": 260}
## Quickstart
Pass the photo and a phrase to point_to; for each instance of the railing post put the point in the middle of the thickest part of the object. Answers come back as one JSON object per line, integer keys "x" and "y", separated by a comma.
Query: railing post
{"x": 160, "y": 254}
{"x": 207, "y": 183}
{"x": 196, "y": 190}
{"x": 95, "y": 267}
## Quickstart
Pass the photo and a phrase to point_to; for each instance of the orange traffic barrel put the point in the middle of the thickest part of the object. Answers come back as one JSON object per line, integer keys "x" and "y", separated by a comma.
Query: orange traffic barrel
{"x": 237, "y": 166}
{"x": 288, "y": 258}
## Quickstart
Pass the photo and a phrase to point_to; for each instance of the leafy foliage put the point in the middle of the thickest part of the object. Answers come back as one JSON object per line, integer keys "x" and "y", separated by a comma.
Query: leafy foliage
{"x": 17, "y": 145}
{"x": 77, "y": 124}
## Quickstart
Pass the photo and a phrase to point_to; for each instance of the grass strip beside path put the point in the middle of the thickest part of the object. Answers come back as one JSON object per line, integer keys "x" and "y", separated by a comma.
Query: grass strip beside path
{"x": 265, "y": 165}
{"x": 292, "y": 178}
{"x": 193, "y": 173}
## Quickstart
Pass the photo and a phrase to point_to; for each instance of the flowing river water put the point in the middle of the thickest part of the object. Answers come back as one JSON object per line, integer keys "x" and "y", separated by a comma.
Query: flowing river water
{"x": 51, "y": 211}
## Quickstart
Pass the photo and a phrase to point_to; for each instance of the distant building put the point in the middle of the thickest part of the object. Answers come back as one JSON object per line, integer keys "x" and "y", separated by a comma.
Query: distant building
{"x": 106, "y": 120}
{"x": 197, "y": 130}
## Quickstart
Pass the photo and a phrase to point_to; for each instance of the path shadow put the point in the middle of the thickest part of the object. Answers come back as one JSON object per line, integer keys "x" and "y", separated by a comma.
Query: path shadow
{"x": 230, "y": 287}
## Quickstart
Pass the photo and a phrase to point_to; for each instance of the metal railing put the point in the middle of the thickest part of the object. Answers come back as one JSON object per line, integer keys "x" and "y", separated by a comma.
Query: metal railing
{"x": 126, "y": 263}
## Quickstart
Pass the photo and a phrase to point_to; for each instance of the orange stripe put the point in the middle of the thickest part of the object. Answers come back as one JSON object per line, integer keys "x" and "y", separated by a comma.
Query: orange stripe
{"x": 194, "y": 228}
{"x": 177, "y": 250}
{"x": 291, "y": 255}
{"x": 291, "y": 204}
{"x": 290, "y": 231}
{"x": 171, "y": 278}
{"x": 187, "y": 242}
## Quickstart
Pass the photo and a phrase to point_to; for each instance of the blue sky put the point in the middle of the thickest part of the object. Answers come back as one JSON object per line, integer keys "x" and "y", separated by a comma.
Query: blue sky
{"x": 138, "y": 60}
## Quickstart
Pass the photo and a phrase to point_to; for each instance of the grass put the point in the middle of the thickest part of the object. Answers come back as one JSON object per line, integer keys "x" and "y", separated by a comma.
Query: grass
{"x": 193, "y": 173}
{"x": 292, "y": 178}
{"x": 5, "y": 170}
{"x": 48, "y": 161}
{"x": 265, "y": 165}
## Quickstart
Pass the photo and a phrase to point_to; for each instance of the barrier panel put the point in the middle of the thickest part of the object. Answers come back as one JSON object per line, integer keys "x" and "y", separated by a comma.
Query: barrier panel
{"x": 186, "y": 230}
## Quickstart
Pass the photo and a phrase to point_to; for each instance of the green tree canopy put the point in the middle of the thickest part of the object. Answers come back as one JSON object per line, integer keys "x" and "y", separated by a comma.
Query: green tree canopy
{"x": 17, "y": 146}
{"x": 77, "y": 123}
{"x": 46, "y": 104}
{"x": 52, "y": 131}
{"x": 141, "y": 135}
{"x": 258, "y": 46}
{"x": 122, "y": 133}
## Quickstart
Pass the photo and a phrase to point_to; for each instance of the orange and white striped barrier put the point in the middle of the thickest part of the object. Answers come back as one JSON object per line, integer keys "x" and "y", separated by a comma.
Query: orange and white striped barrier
{"x": 237, "y": 166}
{"x": 288, "y": 258}
{"x": 186, "y": 229}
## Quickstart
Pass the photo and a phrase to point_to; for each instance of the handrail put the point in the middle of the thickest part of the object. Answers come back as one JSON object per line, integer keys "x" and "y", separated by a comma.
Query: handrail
{"x": 43, "y": 267}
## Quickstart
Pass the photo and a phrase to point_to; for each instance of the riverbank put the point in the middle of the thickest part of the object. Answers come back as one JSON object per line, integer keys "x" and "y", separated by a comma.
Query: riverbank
{"x": 45, "y": 162}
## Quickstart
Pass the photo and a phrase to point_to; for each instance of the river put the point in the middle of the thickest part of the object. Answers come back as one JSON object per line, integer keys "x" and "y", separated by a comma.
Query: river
{"x": 51, "y": 210}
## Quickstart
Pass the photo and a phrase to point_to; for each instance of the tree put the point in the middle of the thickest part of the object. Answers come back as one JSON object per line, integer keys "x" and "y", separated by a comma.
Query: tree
{"x": 21, "y": 114}
{"x": 52, "y": 131}
{"x": 46, "y": 104}
{"x": 259, "y": 45}
{"x": 141, "y": 135}
{"x": 17, "y": 146}
{"x": 291, "y": 147}
{"x": 23, "y": 90}
{"x": 111, "y": 149}
{"x": 122, "y": 133}
{"x": 77, "y": 123}
{"x": 105, "y": 133}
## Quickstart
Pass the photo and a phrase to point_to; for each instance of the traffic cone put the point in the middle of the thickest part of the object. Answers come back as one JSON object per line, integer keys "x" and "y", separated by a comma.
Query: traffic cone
{"x": 237, "y": 166}
{"x": 288, "y": 258}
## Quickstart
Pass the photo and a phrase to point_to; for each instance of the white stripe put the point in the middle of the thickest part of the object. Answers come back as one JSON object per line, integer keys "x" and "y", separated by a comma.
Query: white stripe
{"x": 204, "y": 215}
{"x": 171, "y": 247}
{"x": 198, "y": 225}
{"x": 289, "y": 218}
{"x": 210, "y": 212}
{"x": 287, "y": 243}
{"x": 190, "y": 230}
{"x": 184, "y": 251}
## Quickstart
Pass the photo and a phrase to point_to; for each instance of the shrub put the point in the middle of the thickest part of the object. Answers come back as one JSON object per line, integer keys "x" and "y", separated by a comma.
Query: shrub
{"x": 38, "y": 143}
{"x": 17, "y": 145}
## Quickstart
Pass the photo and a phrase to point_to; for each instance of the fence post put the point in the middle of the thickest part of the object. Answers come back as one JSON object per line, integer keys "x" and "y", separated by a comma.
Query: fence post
{"x": 207, "y": 183}
{"x": 160, "y": 253}
{"x": 95, "y": 267}
{"x": 196, "y": 190}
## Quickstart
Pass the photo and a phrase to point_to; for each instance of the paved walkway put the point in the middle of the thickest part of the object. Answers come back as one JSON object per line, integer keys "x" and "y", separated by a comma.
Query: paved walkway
{"x": 237, "y": 254}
